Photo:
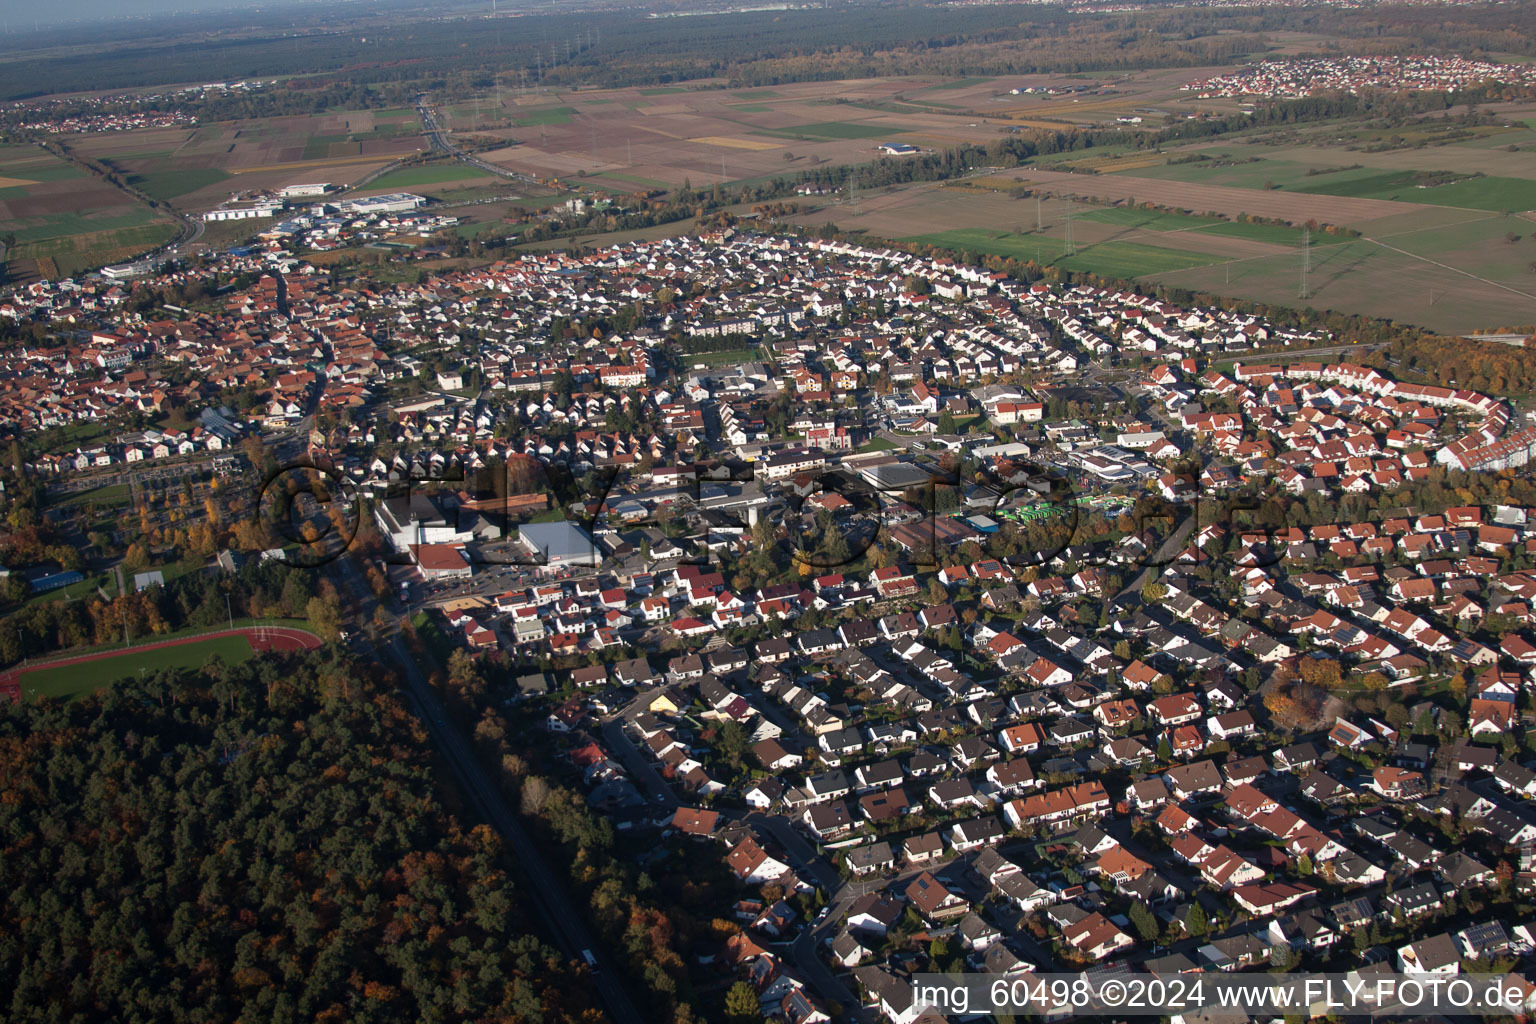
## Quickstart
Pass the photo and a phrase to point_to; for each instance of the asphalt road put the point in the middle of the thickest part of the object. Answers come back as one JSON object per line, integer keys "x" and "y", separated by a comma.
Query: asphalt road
{"x": 1165, "y": 554}
{"x": 438, "y": 137}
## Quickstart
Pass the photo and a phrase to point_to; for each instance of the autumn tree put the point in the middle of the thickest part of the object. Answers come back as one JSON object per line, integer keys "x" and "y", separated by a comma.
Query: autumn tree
{"x": 741, "y": 1005}
{"x": 325, "y": 617}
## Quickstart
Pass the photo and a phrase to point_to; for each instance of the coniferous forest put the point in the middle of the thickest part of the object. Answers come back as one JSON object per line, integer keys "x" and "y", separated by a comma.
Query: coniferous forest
{"x": 261, "y": 842}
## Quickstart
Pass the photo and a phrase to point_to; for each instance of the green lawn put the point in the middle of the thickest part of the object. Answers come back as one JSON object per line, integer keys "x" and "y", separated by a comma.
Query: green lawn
{"x": 165, "y": 185}
{"x": 410, "y": 177}
{"x": 729, "y": 355}
{"x": 110, "y": 494}
{"x": 85, "y": 677}
{"x": 544, "y": 115}
{"x": 75, "y": 591}
{"x": 877, "y": 444}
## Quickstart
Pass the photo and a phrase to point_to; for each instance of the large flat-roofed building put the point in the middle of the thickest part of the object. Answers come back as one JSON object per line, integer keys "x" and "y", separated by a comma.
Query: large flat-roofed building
{"x": 393, "y": 202}
{"x": 415, "y": 519}
{"x": 244, "y": 212}
{"x": 297, "y": 191}
{"x": 559, "y": 545}
{"x": 896, "y": 476}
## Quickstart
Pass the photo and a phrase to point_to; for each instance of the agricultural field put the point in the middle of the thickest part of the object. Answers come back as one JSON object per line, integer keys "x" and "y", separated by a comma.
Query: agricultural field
{"x": 1110, "y": 258}
{"x": 198, "y": 168}
{"x": 1451, "y": 268}
{"x": 437, "y": 174}
{"x": 58, "y": 221}
{"x": 703, "y": 135}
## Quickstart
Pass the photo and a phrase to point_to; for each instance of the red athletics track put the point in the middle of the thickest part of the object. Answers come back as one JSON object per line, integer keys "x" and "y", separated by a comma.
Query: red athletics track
{"x": 262, "y": 638}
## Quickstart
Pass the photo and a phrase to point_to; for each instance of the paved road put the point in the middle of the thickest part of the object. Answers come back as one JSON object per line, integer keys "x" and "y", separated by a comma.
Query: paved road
{"x": 438, "y": 137}
{"x": 640, "y": 768}
{"x": 544, "y": 886}
{"x": 1159, "y": 561}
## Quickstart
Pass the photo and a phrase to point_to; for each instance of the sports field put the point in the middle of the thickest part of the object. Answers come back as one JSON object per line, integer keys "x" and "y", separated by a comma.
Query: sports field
{"x": 75, "y": 679}
{"x": 84, "y": 673}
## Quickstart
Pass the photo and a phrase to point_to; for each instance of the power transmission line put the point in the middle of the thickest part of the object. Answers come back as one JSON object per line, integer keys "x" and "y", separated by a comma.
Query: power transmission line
{"x": 1306, "y": 261}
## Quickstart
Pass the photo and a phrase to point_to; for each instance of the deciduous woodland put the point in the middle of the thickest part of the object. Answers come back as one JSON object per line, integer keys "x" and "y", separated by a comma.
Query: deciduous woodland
{"x": 258, "y": 842}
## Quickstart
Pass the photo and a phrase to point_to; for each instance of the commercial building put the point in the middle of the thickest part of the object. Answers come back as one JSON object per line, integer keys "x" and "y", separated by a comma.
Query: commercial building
{"x": 559, "y": 545}
{"x": 393, "y": 202}
{"x": 244, "y": 212}
{"x": 299, "y": 191}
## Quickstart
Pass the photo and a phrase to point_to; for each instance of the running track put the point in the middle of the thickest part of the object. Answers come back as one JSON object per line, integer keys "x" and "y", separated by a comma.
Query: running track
{"x": 262, "y": 638}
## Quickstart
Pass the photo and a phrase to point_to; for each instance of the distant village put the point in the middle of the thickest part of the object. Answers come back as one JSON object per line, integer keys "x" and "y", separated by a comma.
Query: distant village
{"x": 1294, "y": 78}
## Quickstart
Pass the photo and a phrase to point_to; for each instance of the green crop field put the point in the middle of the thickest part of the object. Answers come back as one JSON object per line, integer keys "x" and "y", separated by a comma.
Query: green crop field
{"x": 838, "y": 130}
{"x": 1280, "y": 234}
{"x": 169, "y": 184}
{"x": 1150, "y": 220}
{"x": 86, "y": 676}
{"x": 58, "y": 225}
{"x": 1110, "y": 259}
{"x": 77, "y": 244}
{"x": 1132, "y": 259}
{"x": 544, "y": 115}
{"x": 1216, "y": 171}
{"x": 633, "y": 179}
{"x": 1486, "y": 192}
{"x": 410, "y": 177}
{"x": 757, "y": 94}
{"x": 959, "y": 83}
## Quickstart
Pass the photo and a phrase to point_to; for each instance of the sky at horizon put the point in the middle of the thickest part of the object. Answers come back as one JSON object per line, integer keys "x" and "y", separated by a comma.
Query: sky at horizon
{"x": 16, "y": 17}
